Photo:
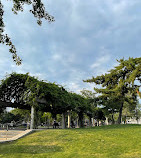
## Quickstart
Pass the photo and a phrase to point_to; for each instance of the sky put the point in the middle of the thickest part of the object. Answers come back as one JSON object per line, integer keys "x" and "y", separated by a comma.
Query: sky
{"x": 85, "y": 40}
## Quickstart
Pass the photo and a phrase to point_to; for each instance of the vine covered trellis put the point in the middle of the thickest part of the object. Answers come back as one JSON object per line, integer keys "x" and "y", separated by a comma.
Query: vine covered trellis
{"x": 26, "y": 92}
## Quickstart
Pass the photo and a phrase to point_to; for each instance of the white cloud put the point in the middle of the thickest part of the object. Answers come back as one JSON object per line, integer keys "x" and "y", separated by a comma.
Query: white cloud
{"x": 103, "y": 59}
{"x": 85, "y": 40}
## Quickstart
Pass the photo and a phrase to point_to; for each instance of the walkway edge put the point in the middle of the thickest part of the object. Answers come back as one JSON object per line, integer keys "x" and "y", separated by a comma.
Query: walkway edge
{"x": 24, "y": 133}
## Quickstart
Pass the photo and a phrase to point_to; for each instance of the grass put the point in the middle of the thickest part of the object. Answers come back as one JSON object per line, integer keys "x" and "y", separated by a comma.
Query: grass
{"x": 116, "y": 141}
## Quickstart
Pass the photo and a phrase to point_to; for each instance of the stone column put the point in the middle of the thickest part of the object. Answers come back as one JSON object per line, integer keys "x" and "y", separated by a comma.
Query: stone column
{"x": 93, "y": 122}
{"x": 69, "y": 119}
{"x": 106, "y": 121}
{"x": 32, "y": 117}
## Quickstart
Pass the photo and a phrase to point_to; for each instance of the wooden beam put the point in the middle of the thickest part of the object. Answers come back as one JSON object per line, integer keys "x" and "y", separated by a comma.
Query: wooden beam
{"x": 41, "y": 101}
{"x": 14, "y": 105}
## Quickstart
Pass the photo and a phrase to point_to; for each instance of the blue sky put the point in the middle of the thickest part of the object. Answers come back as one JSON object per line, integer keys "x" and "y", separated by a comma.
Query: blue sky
{"x": 85, "y": 40}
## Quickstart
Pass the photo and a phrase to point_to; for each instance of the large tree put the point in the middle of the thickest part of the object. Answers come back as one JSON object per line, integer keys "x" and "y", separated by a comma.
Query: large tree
{"x": 38, "y": 10}
{"x": 119, "y": 84}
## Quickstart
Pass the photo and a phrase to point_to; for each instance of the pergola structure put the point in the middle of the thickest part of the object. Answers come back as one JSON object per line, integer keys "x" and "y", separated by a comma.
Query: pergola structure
{"x": 26, "y": 92}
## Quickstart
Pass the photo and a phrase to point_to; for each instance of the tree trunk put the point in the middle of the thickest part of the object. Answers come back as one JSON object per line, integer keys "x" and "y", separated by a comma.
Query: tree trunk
{"x": 80, "y": 115}
{"x": 113, "y": 121}
{"x": 63, "y": 121}
{"x": 97, "y": 122}
{"x": 90, "y": 122}
{"x": 77, "y": 122}
{"x": 120, "y": 114}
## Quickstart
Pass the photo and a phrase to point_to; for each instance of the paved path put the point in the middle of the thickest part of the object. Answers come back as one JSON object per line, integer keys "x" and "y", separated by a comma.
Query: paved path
{"x": 12, "y": 135}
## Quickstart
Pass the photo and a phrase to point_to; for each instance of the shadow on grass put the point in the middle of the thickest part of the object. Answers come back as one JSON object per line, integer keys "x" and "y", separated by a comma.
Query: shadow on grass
{"x": 29, "y": 149}
{"x": 116, "y": 126}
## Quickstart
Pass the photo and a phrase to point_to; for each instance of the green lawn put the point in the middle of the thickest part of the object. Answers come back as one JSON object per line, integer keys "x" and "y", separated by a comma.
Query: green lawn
{"x": 99, "y": 142}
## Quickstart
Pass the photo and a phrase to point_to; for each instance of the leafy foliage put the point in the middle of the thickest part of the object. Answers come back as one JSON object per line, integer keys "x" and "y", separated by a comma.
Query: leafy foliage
{"x": 39, "y": 12}
{"x": 22, "y": 89}
{"x": 7, "y": 117}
